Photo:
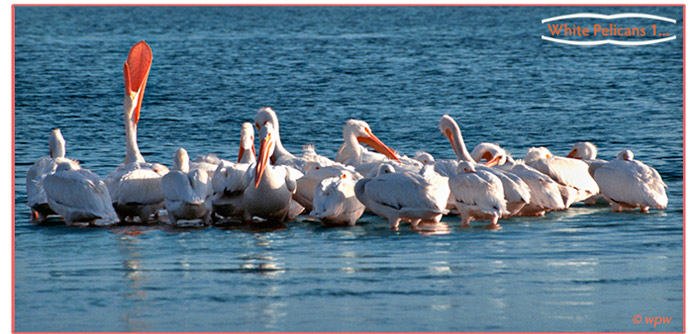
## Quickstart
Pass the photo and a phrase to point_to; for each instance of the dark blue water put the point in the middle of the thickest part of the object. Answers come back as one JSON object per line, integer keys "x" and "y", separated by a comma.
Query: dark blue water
{"x": 398, "y": 68}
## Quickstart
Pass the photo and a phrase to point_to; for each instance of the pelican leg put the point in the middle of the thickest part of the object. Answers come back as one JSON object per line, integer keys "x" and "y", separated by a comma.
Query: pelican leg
{"x": 35, "y": 215}
{"x": 466, "y": 220}
{"x": 393, "y": 223}
{"x": 414, "y": 223}
{"x": 494, "y": 224}
{"x": 645, "y": 209}
{"x": 616, "y": 207}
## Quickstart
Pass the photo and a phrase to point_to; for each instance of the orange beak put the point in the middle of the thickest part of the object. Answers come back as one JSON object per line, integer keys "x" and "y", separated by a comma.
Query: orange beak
{"x": 572, "y": 153}
{"x": 492, "y": 162}
{"x": 263, "y": 158}
{"x": 241, "y": 150}
{"x": 376, "y": 144}
{"x": 450, "y": 136}
{"x": 136, "y": 69}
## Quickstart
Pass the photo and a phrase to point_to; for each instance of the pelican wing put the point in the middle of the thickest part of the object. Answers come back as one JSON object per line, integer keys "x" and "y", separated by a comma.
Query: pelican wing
{"x": 135, "y": 185}
{"x": 568, "y": 172}
{"x": 78, "y": 191}
{"x": 35, "y": 178}
{"x": 543, "y": 190}
{"x": 631, "y": 182}
{"x": 176, "y": 187}
{"x": 481, "y": 190}
{"x": 403, "y": 192}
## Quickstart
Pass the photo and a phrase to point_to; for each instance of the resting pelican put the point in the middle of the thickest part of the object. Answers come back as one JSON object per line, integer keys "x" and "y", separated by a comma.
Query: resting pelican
{"x": 479, "y": 195}
{"x": 572, "y": 174}
{"x": 587, "y": 152}
{"x": 334, "y": 202}
{"x": 268, "y": 195}
{"x": 517, "y": 192}
{"x": 79, "y": 196}
{"x": 629, "y": 184}
{"x": 313, "y": 175}
{"x": 545, "y": 193}
{"x": 36, "y": 196}
{"x": 135, "y": 185}
{"x": 187, "y": 192}
{"x": 401, "y": 196}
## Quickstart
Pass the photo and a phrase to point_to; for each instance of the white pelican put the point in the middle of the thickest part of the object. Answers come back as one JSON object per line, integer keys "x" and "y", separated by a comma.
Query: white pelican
{"x": 401, "y": 196}
{"x": 544, "y": 192}
{"x": 630, "y": 184}
{"x": 577, "y": 184}
{"x": 187, "y": 192}
{"x": 364, "y": 161}
{"x": 517, "y": 192}
{"x": 135, "y": 185}
{"x": 79, "y": 196}
{"x": 231, "y": 179}
{"x": 268, "y": 195}
{"x": 587, "y": 152}
{"x": 335, "y": 204}
{"x": 36, "y": 196}
{"x": 479, "y": 195}
{"x": 314, "y": 173}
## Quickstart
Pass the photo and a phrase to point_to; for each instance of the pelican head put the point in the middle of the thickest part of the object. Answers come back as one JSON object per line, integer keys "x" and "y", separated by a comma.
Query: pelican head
{"x": 449, "y": 128}
{"x": 247, "y": 139}
{"x": 362, "y": 132}
{"x": 625, "y": 155}
{"x": 493, "y": 153}
{"x": 265, "y": 152}
{"x": 136, "y": 69}
{"x": 266, "y": 115}
{"x": 537, "y": 153}
{"x": 465, "y": 167}
{"x": 424, "y": 157}
{"x": 66, "y": 165}
{"x": 181, "y": 160}
{"x": 385, "y": 169}
{"x": 57, "y": 145}
{"x": 583, "y": 150}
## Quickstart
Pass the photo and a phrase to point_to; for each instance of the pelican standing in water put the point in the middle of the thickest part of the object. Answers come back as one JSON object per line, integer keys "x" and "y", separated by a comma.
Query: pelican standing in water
{"x": 36, "y": 196}
{"x": 398, "y": 196}
{"x": 135, "y": 186}
{"x": 79, "y": 196}
{"x": 269, "y": 194}
{"x": 629, "y": 184}
{"x": 587, "y": 152}
{"x": 187, "y": 192}
{"x": 479, "y": 195}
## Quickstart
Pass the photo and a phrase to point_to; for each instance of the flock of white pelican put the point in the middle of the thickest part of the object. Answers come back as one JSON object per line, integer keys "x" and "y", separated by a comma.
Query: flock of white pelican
{"x": 273, "y": 185}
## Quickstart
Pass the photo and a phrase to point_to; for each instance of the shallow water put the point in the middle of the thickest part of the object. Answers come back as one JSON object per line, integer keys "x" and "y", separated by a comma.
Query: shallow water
{"x": 398, "y": 68}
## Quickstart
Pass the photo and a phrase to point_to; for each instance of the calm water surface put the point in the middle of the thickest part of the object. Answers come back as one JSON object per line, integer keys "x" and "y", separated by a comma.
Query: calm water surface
{"x": 397, "y": 68}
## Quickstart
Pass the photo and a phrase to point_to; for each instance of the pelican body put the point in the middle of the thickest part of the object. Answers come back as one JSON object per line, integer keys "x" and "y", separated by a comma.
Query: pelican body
{"x": 187, "y": 192}
{"x": 398, "y": 196}
{"x": 135, "y": 186}
{"x": 335, "y": 203}
{"x": 479, "y": 195}
{"x": 79, "y": 196}
{"x": 629, "y": 184}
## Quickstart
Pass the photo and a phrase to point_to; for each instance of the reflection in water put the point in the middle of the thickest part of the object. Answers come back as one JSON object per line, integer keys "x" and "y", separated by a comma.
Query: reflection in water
{"x": 136, "y": 297}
